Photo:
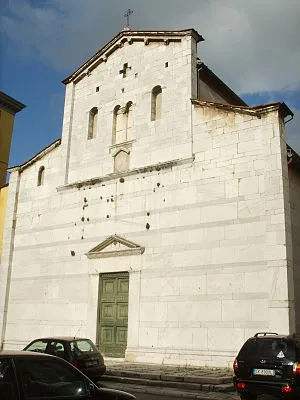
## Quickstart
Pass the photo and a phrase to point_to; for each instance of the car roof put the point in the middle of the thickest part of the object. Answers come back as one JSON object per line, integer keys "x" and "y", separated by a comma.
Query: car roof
{"x": 272, "y": 337}
{"x": 63, "y": 338}
{"x": 21, "y": 353}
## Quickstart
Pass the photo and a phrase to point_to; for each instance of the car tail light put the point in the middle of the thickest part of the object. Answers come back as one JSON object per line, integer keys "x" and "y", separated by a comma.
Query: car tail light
{"x": 75, "y": 363}
{"x": 296, "y": 368}
{"x": 286, "y": 389}
{"x": 235, "y": 365}
{"x": 241, "y": 385}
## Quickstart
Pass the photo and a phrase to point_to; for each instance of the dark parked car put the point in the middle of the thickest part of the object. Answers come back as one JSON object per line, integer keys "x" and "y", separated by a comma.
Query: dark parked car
{"x": 268, "y": 363}
{"x": 27, "y": 375}
{"x": 80, "y": 352}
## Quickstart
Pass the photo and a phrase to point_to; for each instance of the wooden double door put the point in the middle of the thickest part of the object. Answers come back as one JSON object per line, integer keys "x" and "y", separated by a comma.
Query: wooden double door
{"x": 113, "y": 314}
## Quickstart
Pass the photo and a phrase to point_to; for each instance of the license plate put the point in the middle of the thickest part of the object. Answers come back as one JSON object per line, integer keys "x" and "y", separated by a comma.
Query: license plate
{"x": 268, "y": 372}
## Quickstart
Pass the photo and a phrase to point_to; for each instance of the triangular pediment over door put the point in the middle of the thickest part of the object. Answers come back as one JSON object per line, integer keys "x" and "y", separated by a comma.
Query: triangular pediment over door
{"x": 115, "y": 246}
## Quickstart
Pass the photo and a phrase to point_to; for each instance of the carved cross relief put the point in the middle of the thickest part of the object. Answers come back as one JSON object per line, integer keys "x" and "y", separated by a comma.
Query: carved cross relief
{"x": 124, "y": 70}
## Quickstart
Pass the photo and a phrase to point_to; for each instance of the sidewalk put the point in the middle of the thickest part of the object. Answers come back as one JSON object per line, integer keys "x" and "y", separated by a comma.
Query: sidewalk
{"x": 186, "y": 382}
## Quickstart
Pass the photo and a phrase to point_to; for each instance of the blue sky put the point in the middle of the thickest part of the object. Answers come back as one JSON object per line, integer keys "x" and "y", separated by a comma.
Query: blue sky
{"x": 252, "y": 45}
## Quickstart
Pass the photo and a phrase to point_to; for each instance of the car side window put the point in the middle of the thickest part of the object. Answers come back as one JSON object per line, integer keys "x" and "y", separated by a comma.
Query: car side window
{"x": 39, "y": 346}
{"x": 83, "y": 346}
{"x": 277, "y": 348}
{"x": 8, "y": 383}
{"x": 50, "y": 379}
{"x": 57, "y": 349}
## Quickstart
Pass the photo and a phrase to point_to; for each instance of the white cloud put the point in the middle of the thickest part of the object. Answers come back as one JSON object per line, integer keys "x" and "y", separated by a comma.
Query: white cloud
{"x": 253, "y": 45}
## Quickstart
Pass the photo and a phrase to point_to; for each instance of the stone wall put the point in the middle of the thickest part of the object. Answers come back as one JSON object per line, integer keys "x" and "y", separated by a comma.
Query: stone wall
{"x": 202, "y": 285}
{"x": 294, "y": 179}
{"x": 224, "y": 275}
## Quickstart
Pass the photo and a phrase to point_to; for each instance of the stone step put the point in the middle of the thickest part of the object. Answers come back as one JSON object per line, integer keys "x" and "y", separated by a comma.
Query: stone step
{"x": 173, "y": 382}
{"x": 156, "y": 376}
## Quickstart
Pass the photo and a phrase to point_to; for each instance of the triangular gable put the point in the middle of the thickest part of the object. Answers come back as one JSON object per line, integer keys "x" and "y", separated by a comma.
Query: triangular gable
{"x": 115, "y": 246}
{"x": 129, "y": 36}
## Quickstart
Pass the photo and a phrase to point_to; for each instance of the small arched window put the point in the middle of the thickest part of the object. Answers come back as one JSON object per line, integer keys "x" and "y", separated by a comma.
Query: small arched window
{"x": 117, "y": 135}
{"x": 129, "y": 120}
{"x": 41, "y": 176}
{"x": 156, "y": 103}
{"x": 93, "y": 118}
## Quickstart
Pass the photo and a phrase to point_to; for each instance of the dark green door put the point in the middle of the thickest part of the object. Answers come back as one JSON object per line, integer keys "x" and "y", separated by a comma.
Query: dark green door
{"x": 113, "y": 314}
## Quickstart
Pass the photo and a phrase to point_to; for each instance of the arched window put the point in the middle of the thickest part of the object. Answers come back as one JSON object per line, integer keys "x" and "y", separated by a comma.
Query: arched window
{"x": 156, "y": 103}
{"x": 129, "y": 120}
{"x": 117, "y": 136}
{"x": 41, "y": 176}
{"x": 93, "y": 117}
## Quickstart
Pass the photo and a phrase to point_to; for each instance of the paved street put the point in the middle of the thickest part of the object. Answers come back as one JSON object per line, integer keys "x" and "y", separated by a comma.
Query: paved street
{"x": 212, "y": 396}
{"x": 208, "y": 396}
{"x": 159, "y": 393}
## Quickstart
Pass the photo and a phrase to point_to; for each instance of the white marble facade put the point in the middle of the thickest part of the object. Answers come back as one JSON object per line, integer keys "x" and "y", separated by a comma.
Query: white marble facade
{"x": 203, "y": 196}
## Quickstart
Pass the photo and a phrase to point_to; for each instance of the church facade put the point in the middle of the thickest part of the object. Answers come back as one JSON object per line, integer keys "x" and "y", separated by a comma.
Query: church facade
{"x": 164, "y": 224}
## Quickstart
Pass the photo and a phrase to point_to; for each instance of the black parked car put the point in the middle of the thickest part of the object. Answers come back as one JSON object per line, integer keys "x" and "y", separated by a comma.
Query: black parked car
{"x": 80, "y": 352}
{"x": 27, "y": 375}
{"x": 268, "y": 363}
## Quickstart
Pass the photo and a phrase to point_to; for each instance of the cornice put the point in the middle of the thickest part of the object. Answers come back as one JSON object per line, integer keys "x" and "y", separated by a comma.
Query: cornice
{"x": 142, "y": 170}
{"x": 254, "y": 110}
{"x": 10, "y": 104}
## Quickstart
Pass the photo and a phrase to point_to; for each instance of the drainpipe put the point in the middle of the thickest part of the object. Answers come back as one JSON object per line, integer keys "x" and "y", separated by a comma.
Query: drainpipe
{"x": 10, "y": 260}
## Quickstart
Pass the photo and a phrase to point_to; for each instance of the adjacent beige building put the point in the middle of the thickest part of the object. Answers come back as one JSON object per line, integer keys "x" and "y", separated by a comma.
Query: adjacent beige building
{"x": 164, "y": 224}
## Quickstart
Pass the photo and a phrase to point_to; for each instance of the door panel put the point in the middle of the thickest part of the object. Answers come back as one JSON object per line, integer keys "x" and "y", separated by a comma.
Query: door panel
{"x": 113, "y": 314}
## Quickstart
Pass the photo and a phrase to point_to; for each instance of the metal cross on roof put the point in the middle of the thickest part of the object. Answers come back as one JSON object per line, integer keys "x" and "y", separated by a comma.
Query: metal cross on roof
{"x": 127, "y": 15}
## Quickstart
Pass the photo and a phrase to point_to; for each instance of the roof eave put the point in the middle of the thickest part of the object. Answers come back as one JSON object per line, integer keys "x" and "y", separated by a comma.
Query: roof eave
{"x": 285, "y": 111}
{"x": 10, "y": 104}
{"x": 281, "y": 107}
{"x": 35, "y": 158}
{"x": 229, "y": 107}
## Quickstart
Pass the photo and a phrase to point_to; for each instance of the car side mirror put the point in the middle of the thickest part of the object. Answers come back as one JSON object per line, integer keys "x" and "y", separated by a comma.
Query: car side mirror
{"x": 92, "y": 390}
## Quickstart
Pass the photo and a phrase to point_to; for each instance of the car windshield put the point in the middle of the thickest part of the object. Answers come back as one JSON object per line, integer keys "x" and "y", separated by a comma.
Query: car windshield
{"x": 82, "y": 346}
{"x": 38, "y": 346}
{"x": 275, "y": 348}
